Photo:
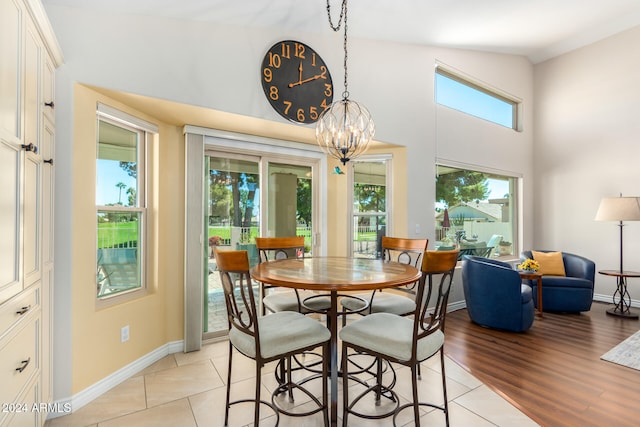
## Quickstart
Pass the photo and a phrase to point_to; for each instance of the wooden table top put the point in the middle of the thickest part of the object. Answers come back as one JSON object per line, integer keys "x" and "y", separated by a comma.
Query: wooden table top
{"x": 335, "y": 273}
{"x": 529, "y": 275}
{"x": 617, "y": 273}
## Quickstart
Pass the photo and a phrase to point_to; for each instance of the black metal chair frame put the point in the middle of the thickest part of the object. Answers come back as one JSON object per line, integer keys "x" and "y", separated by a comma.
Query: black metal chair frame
{"x": 400, "y": 250}
{"x": 426, "y": 322}
{"x": 282, "y": 248}
{"x": 275, "y": 248}
{"x": 405, "y": 256}
{"x": 243, "y": 316}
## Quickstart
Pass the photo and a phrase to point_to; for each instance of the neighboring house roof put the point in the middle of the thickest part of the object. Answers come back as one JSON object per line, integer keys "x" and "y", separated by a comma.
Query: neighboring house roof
{"x": 481, "y": 210}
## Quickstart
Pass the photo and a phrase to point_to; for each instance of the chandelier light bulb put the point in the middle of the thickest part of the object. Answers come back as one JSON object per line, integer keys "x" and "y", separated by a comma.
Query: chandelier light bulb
{"x": 344, "y": 130}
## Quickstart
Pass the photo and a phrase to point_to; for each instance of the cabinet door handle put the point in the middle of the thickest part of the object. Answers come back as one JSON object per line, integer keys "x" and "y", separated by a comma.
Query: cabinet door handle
{"x": 30, "y": 147}
{"x": 24, "y": 365}
{"x": 49, "y": 104}
{"x": 50, "y": 161}
{"x": 23, "y": 310}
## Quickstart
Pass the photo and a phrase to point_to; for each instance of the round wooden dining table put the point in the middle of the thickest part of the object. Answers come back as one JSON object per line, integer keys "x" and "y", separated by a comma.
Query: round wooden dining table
{"x": 335, "y": 275}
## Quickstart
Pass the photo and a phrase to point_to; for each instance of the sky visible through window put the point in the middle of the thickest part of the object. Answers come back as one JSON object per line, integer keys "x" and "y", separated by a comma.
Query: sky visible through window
{"x": 461, "y": 97}
{"x": 109, "y": 175}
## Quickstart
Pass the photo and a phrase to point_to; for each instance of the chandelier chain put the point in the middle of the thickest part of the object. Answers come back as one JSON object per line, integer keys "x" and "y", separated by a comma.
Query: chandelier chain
{"x": 334, "y": 27}
{"x": 345, "y": 128}
{"x": 343, "y": 8}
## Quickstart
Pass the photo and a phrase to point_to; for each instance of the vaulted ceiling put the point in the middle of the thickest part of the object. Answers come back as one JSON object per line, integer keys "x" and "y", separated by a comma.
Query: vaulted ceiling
{"x": 538, "y": 29}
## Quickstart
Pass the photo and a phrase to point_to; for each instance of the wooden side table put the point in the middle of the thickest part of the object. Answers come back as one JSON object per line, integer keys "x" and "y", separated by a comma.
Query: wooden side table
{"x": 534, "y": 275}
{"x": 621, "y": 297}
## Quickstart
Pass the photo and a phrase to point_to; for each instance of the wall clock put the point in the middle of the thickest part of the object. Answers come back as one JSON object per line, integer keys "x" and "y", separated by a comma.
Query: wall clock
{"x": 296, "y": 81}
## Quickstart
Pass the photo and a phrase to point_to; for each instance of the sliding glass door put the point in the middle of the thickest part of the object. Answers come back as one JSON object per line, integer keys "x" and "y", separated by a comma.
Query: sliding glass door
{"x": 290, "y": 207}
{"x": 232, "y": 204}
{"x": 249, "y": 196}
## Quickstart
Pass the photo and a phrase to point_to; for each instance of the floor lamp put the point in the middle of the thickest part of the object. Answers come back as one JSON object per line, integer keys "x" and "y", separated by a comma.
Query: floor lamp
{"x": 620, "y": 209}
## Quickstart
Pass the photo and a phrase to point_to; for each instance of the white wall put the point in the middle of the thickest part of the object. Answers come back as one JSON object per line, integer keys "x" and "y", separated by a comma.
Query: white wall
{"x": 207, "y": 65}
{"x": 218, "y": 67}
{"x": 587, "y": 147}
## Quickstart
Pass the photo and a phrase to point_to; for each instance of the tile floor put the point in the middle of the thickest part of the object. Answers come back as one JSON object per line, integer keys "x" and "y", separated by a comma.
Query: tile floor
{"x": 189, "y": 390}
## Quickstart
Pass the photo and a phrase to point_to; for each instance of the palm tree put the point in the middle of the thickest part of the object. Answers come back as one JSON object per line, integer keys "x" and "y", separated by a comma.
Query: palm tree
{"x": 131, "y": 192}
{"x": 121, "y": 186}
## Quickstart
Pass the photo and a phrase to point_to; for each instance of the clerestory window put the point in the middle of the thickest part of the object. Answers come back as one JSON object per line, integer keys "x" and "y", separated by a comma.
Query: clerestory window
{"x": 461, "y": 93}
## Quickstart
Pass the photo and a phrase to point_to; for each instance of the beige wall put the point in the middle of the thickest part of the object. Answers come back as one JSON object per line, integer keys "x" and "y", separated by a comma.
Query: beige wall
{"x": 587, "y": 133}
{"x": 157, "y": 317}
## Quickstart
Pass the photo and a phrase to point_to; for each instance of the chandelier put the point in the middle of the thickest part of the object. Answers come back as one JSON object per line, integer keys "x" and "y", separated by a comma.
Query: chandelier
{"x": 345, "y": 128}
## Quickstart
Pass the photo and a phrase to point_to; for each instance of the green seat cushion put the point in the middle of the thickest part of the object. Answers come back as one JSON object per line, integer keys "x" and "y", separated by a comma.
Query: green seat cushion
{"x": 277, "y": 301}
{"x": 281, "y": 333}
{"x": 383, "y": 302}
{"x": 390, "y": 335}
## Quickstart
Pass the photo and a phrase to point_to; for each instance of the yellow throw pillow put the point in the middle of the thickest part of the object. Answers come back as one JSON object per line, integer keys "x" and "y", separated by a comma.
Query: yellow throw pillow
{"x": 550, "y": 263}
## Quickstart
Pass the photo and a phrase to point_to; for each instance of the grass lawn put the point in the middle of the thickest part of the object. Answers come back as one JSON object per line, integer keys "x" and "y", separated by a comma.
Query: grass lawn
{"x": 120, "y": 234}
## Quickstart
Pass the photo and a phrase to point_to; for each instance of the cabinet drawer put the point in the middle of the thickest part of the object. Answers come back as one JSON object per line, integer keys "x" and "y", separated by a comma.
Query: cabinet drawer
{"x": 25, "y": 412}
{"x": 18, "y": 360}
{"x": 18, "y": 307}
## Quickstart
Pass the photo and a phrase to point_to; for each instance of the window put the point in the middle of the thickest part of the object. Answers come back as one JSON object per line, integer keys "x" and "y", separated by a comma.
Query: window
{"x": 461, "y": 94}
{"x": 370, "y": 216}
{"x": 475, "y": 211}
{"x": 121, "y": 204}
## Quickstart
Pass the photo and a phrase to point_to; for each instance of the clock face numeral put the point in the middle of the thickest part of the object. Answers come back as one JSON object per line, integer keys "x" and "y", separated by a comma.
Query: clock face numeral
{"x": 296, "y": 81}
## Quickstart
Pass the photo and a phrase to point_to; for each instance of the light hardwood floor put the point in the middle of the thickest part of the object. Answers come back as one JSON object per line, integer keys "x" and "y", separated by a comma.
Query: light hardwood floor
{"x": 553, "y": 372}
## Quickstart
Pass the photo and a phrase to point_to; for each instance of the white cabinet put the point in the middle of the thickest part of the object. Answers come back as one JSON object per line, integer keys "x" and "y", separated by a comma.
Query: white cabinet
{"x": 11, "y": 14}
{"x": 29, "y": 56}
{"x": 47, "y": 146}
{"x": 10, "y": 171}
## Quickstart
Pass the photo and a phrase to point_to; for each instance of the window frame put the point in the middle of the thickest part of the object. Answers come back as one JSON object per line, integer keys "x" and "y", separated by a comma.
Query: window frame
{"x": 146, "y": 132}
{"x": 388, "y": 160}
{"x": 200, "y": 142}
{"x": 515, "y": 199}
{"x": 477, "y": 85}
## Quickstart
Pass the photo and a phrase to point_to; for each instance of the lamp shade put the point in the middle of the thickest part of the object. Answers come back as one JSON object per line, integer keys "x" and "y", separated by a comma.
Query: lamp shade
{"x": 619, "y": 209}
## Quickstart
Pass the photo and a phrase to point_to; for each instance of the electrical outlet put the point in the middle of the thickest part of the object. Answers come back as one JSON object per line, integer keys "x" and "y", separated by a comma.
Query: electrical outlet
{"x": 124, "y": 334}
{"x": 417, "y": 228}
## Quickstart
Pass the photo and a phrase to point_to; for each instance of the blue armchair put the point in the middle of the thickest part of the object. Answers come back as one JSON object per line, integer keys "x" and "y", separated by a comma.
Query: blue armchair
{"x": 570, "y": 293}
{"x": 495, "y": 295}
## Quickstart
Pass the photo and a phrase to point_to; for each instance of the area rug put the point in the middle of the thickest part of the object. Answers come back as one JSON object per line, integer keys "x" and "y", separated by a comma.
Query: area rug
{"x": 627, "y": 353}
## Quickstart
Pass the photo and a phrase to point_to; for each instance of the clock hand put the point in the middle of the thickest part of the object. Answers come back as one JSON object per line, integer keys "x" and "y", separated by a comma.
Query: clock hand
{"x": 316, "y": 77}
{"x": 299, "y": 82}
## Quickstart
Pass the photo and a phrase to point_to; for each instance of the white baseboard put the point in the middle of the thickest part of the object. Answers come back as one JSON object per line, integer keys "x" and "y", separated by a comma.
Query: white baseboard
{"x": 609, "y": 299}
{"x": 90, "y": 393}
{"x": 457, "y": 305}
